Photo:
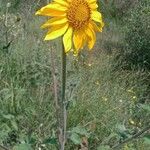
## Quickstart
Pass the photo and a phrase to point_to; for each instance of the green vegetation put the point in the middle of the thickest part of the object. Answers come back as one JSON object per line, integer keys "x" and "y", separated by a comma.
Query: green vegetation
{"x": 108, "y": 88}
{"x": 136, "y": 53}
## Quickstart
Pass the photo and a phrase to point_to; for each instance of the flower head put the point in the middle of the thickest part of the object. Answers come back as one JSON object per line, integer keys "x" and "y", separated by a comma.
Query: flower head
{"x": 74, "y": 20}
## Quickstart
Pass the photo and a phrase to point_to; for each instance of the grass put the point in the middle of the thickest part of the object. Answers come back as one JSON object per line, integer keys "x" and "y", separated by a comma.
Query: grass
{"x": 104, "y": 100}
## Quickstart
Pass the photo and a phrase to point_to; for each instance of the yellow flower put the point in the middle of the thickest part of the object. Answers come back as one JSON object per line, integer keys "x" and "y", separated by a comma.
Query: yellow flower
{"x": 134, "y": 97}
{"x": 74, "y": 20}
{"x": 131, "y": 121}
{"x": 97, "y": 83}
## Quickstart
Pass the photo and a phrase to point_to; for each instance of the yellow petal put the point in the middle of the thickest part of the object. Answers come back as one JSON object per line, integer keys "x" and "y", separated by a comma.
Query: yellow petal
{"x": 55, "y": 6}
{"x": 95, "y": 27}
{"x": 96, "y": 16}
{"x": 55, "y": 32}
{"x": 52, "y": 10}
{"x": 102, "y": 24}
{"x": 93, "y": 6}
{"x": 78, "y": 39}
{"x": 67, "y": 39}
{"x": 54, "y": 21}
{"x": 46, "y": 12}
{"x": 92, "y": 1}
{"x": 91, "y": 37}
{"x": 62, "y": 2}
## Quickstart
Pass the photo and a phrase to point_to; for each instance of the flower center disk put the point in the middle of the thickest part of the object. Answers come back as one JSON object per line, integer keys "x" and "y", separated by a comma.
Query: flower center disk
{"x": 78, "y": 13}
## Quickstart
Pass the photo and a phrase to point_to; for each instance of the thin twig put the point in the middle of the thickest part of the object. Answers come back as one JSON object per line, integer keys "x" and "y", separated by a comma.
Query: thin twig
{"x": 132, "y": 137}
{"x": 55, "y": 86}
{"x": 54, "y": 79}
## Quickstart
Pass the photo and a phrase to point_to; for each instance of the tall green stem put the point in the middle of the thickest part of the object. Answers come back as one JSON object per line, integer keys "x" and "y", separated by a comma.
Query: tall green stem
{"x": 63, "y": 86}
{"x": 63, "y": 100}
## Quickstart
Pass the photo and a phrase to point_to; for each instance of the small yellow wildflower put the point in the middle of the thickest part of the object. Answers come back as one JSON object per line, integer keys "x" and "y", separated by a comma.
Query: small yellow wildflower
{"x": 97, "y": 83}
{"x": 75, "y": 20}
{"x": 134, "y": 97}
{"x": 89, "y": 64}
{"x": 131, "y": 121}
{"x": 105, "y": 99}
{"x": 140, "y": 123}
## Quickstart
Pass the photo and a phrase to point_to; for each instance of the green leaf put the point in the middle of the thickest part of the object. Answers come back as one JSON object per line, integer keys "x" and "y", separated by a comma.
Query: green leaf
{"x": 32, "y": 140}
{"x": 147, "y": 139}
{"x": 120, "y": 128}
{"x": 80, "y": 131}
{"x": 146, "y": 107}
{"x": 75, "y": 138}
{"x": 50, "y": 140}
{"x": 9, "y": 116}
{"x": 122, "y": 131}
{"x": 23, "y": 147}
{"x": 103, "y": 147}
{"x": 147, "y": 136}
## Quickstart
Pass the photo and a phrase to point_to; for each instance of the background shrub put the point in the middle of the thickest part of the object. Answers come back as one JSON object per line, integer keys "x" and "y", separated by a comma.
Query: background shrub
{"x": 136, "y": 52}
